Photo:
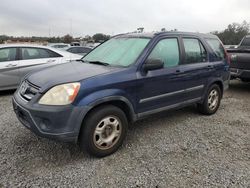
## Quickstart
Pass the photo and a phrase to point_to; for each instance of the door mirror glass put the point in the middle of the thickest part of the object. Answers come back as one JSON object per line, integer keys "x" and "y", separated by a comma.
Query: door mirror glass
{"x": 153, "y": 64}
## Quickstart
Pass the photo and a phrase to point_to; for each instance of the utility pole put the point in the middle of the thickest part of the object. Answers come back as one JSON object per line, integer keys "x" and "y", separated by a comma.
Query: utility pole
{"x": 140, "y": 29}
{"x": 71, "y": 27}
{"x": 49, "y": 32}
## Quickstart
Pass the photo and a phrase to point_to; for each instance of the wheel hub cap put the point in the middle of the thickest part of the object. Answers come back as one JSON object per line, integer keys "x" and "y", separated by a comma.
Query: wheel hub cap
{"x": 213, "y": 99}
{"x": 107, "y": 132}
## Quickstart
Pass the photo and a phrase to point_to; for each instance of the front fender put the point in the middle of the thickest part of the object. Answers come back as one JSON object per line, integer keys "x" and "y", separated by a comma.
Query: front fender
{"x": 106, "y": 95}
{"x": 94, "y": 99}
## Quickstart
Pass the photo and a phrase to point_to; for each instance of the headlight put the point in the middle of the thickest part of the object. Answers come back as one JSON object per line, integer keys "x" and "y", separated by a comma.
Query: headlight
{"x": 61, "y": 95}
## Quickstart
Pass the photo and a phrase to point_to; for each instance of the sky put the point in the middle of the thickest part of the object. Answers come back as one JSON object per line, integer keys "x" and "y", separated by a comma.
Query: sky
{"x": 87, "y": 17}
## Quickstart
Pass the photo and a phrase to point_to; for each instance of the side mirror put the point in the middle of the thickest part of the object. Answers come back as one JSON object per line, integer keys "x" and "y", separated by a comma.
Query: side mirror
{"x": 153, "y": 64}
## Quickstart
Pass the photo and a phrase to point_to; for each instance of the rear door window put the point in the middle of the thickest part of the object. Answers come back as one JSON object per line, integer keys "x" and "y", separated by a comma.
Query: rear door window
{"x": 7, "y": 54}
{"x": 37, "y": 53}
{"x": 217, "y": 48}
{"x": 74, "y": 50}
{"x": 84, "y": 50}
{"x": 194, "y": 51}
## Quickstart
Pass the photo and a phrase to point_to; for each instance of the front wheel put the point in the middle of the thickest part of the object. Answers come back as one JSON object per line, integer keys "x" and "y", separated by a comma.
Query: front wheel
{"x": 103, "y": 131}
{"x": 212, "y": 100}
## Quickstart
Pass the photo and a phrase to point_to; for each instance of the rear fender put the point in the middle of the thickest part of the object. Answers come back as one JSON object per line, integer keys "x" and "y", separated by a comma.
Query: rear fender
{"x": 218, "y": 81}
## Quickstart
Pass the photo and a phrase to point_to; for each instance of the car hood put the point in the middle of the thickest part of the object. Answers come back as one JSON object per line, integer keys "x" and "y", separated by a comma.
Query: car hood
{"x": 65, "y": 73}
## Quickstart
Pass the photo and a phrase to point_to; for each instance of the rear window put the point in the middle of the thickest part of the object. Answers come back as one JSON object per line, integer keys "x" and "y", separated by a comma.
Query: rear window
{"x": 218, "y": 49}
{"x": 246, "y": 42}
{"x": 84, "y": 50}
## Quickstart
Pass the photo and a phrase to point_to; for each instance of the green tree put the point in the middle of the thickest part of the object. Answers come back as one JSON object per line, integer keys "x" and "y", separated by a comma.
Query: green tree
{"x": 3, "y": 38}
{"x": 99, "y": 37}
{"x": 233, "y": 33}
{"x": 55, "y": 40}
{"x": 67, "y": 38}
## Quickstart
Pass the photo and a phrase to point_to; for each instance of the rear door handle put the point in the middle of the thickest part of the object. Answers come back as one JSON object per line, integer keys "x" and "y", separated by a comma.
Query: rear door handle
{"x": 178, "y": 71}
{"x": 11, "y": 65}
{"x": 210, "y": 66}
{"x": 51, "y": 61}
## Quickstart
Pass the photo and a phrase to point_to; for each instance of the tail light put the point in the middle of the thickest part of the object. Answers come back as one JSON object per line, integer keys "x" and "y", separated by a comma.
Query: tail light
{"x": 227, "y": 57}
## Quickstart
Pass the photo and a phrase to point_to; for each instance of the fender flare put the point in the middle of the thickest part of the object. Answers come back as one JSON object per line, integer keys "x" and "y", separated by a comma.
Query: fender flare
{"x": 103, "y": 100}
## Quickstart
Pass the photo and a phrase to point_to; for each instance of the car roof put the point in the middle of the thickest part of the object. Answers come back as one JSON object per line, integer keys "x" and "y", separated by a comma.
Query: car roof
{"x": 168, "y": 33}
{"x": 61, "y": 52}
{"x": 59, "y": 43}
{"x": 23, "y": 45}
{"x": 79, "y": 47}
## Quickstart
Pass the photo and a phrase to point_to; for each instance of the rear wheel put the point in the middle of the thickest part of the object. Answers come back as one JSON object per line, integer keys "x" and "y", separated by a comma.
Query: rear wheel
{"x": 245, "y": 80}
{"x": 212, "y": 100}
{"x": 103, "y": 131}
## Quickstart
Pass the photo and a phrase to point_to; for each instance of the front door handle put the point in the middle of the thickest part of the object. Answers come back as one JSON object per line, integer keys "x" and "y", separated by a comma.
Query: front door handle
{"x": 11, "y": 65}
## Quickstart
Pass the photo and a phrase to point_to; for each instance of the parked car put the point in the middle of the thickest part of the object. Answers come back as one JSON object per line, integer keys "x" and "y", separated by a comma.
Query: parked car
{"x": 92, "y": 45}
{"x": 240, "y": 60}
{"x": 59, "y": 45}
{"x": 75, "y": 44}
{"x": 17, "y": 60}
{"x": 80, "y": 50}
{"x": 127, "y": 78}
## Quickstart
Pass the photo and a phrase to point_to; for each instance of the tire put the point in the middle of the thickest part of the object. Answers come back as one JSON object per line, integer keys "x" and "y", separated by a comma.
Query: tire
{"x": 245, "y": 80}
{"x": 211, "y": 105}
{"x": 103, "y": 131}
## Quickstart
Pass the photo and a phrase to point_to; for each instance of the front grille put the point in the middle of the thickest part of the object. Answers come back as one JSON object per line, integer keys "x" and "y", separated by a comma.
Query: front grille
{"x": 28, "y": 90}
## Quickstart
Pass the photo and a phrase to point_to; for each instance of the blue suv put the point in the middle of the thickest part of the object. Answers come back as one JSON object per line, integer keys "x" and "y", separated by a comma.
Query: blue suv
{"x": 129, "y": 77}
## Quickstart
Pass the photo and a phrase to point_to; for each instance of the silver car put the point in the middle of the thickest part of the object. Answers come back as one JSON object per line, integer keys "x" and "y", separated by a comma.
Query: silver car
{"x": 18, "y": 60}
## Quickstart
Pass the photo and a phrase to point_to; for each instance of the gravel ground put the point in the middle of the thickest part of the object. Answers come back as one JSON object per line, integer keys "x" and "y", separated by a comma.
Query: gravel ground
{"x": 172, "y": 149}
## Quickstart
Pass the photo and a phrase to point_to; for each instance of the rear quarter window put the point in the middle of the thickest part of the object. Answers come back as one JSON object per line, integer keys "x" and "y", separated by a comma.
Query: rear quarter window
{"x": 217, "y": 48}
{"x": 37, "y": 53}
{"x": 53, "y": 54}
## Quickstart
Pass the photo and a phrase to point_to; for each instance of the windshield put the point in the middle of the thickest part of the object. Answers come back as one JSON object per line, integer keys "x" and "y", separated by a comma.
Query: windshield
{"x": 118, "y": 51}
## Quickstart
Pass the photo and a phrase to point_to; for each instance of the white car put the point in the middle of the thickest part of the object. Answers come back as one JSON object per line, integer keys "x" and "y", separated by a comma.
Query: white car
{"x": 18, "y": 60}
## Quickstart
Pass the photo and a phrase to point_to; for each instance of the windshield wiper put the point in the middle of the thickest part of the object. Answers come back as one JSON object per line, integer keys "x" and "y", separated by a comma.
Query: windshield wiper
{"x": 80, "y": 60}
{"x": 94, "y": 62}
{"x": 98, "y": 63}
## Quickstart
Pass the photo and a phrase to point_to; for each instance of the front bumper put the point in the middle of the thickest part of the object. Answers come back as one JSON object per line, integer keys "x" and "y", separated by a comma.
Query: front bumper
{"x": 240, "y": 73}
{"x": 55, "y": 122}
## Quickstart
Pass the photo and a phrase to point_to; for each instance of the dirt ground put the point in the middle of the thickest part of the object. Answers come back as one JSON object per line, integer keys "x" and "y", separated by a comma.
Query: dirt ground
{"x": 178, "y": 148}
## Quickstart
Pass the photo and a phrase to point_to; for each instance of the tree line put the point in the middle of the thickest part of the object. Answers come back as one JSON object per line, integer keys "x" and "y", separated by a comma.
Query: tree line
{"x": 99, "y": 37}
{"x": 231, "y": 35}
